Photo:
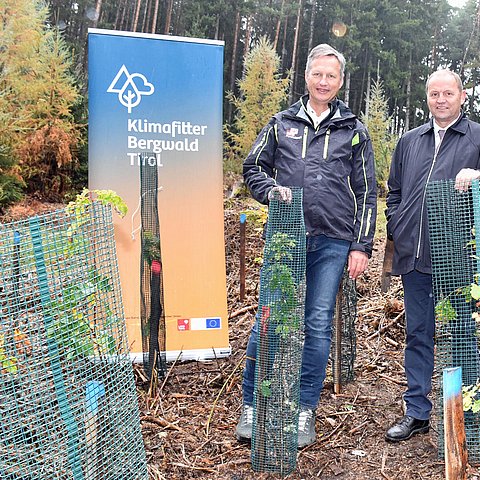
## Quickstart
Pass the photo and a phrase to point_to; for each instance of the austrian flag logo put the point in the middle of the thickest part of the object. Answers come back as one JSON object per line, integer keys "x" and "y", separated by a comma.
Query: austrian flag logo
{"x": 130, "y": 88}
{"x": 292, "y": 133}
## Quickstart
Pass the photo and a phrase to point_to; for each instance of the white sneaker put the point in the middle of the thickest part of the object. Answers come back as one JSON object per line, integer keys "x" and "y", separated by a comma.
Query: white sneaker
{"x": 243, "y": 432}
{"x": 306, "y": 427}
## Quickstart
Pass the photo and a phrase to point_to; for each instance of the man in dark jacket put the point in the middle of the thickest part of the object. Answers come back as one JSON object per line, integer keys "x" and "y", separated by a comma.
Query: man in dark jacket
{"x": 319, "y": 145}
{"x": 446, "y": 147}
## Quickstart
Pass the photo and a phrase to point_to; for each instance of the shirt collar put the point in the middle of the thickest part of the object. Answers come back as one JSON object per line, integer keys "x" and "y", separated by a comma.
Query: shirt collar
{"x": 436, "y": 128}
{"x": 317, "y": 119}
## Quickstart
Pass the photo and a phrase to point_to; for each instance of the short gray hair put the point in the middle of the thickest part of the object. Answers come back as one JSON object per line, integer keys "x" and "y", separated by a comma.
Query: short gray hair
{"x": 456, "y": 76}
{"x": 323, "y": 50}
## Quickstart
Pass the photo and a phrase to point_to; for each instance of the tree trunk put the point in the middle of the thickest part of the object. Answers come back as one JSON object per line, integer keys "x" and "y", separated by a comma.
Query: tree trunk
{"x": 367, "y": 94}
{"x": 233, "y": 63}
{"x": 409, "y": 91}
{"x": 475, "y": 27}
{"x": 312, "y": 25}
{"x": 168, "y": 18}
{"x": 137, "y": 13}
{"x": 246, "y": 47}
{"x": 120, "y": 15}
{"x": 217, "y": 27}
{"x": 347, "y": 88}
{"x": 98, "y": 9}
{"x": 294, "y": 53}
{"x": 155, "y": 15}
{"x": 146, "y": 15}
{"x": 130, "y": 15}
{"x": 434, "y": 49}
{"x": 284, "y": 41}
{"x": 277, "y": 29}
{"x": 359, "y": 99}
{"x": 471, "y": 100}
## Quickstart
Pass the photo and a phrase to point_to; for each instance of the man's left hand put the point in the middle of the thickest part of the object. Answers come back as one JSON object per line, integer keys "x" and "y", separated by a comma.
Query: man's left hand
{"x": 464, "y": 178}
{"x": 357, "y": 263}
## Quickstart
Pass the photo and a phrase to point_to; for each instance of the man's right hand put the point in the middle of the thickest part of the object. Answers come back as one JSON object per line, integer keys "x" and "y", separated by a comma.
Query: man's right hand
{"x": 464, "y": 178}
{"x": 283, "y": 194}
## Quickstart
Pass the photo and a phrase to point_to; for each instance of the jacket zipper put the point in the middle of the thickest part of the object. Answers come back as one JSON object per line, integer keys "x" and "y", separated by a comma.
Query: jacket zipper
{"x": 325, "y": 147}
{"x": 369, "y": 221}
{"x": 304, "y": 143}
{"x": 354, "y": 199}
{"x": 423, "y": 204}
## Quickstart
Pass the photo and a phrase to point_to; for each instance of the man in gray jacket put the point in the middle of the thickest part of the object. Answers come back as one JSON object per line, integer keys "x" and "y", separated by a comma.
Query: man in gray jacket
{"x": 446, "y": 147}
{"x": 319, "y": 145}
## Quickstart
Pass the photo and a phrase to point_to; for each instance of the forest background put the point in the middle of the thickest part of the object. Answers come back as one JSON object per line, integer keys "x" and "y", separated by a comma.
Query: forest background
{"x": 390, "y": 45}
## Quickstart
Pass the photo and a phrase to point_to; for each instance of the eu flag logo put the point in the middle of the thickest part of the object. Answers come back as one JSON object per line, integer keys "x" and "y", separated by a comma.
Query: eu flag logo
{"x": 213, "y": 322}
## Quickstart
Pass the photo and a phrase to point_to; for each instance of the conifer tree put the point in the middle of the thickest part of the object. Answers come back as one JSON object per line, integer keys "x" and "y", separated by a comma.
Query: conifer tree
{"x": 11, "y": 186}
{"x": 378, "y": 124}
{"x": 262, "y": 93}
{"x": 36, "y": 122}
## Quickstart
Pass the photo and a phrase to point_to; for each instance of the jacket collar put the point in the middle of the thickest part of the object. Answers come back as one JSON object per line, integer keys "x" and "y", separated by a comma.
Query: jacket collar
{"x": 338, "y": 110}
{"x": 459, "y": 126}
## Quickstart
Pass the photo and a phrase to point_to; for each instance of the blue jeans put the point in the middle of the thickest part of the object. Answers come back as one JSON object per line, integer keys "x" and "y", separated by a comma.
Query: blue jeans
{"x": 419, "y": 349}
{"x": 326, "y": 258}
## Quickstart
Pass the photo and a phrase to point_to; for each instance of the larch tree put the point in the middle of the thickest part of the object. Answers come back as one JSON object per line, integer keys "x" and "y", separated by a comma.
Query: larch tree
{"x": 378, "y": 124}
{"x": 262, "y": 93}
{"x": 39, "y": 93}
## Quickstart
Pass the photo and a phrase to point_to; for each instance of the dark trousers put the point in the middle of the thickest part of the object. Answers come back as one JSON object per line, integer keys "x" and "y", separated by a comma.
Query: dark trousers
{"x": 419, "y": 349}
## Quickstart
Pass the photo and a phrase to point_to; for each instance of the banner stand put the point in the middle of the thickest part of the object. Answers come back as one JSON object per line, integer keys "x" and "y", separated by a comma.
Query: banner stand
{"x": 158, "y": 99}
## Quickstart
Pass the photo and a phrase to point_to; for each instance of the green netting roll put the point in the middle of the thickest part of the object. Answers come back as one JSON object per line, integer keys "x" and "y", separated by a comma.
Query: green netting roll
{"x": 280, "y": 339}
{"x": 68, "y": 403}
{"x": 343, "y": 350}
{"x": 454, "y": 269}
{"x": 152, "y": 312}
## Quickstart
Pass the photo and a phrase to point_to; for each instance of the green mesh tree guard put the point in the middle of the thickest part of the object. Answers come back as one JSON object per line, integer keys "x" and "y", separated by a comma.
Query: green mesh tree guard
{"x": 152, "y": 315}
{"x": 280, "y": 339}
{"x": 68, "y": 403}
{"x": 454, "y": 269}
{"x": 344, "y": 339}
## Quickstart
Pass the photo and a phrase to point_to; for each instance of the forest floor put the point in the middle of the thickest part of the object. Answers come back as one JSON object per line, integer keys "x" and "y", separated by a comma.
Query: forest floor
{"x": 188, "y": 420}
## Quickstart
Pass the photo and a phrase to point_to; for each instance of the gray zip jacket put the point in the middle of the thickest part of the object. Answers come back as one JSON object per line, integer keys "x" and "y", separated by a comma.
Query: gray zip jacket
{"x": 413, "y": 165}
{"x": 333, "y": 163}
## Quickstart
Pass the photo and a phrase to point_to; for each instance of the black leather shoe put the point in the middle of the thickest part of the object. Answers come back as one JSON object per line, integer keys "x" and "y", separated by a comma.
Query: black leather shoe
{"x": 405, "y": 428}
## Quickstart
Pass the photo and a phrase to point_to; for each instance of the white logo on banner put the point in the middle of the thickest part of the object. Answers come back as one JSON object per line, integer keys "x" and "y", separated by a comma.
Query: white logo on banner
{"x": 130, "y": 88}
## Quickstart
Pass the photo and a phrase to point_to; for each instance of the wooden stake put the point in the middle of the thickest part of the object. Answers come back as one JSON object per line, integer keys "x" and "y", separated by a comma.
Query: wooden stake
{"x": 387, "y": 266}
{"x": 456, "y": 455}
{"x": 337, "y": 370}
{"x": 94, "y": 391}
{"x": 243, "y": 219}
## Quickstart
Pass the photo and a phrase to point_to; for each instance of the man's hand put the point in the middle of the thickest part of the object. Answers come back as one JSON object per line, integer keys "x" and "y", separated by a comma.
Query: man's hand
{"x": 283, "y": 194}
{"x": 357, "y": 263}
{"x": 464, "y": 178}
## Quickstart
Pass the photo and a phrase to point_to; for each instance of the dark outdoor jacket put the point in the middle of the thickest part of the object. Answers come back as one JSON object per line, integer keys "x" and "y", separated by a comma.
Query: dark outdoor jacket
{"x": 413, "y": 165}
{"x": 332, "y": 163}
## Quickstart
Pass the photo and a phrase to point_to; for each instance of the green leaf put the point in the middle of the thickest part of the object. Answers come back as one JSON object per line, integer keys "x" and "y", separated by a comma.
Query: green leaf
{"x": 444, "y": 311}
{"x": 475, "y": 291}
{"x": 266, "y": 388}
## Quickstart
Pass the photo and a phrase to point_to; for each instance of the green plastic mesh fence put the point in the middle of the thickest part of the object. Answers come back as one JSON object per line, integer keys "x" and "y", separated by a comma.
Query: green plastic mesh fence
{"x": 344, "y": 339}
{"x": 454, "y": 269}
{"x": 280, "y": 339}
{"x": 68, "y": 403}
{"x": 152, "y": 314}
